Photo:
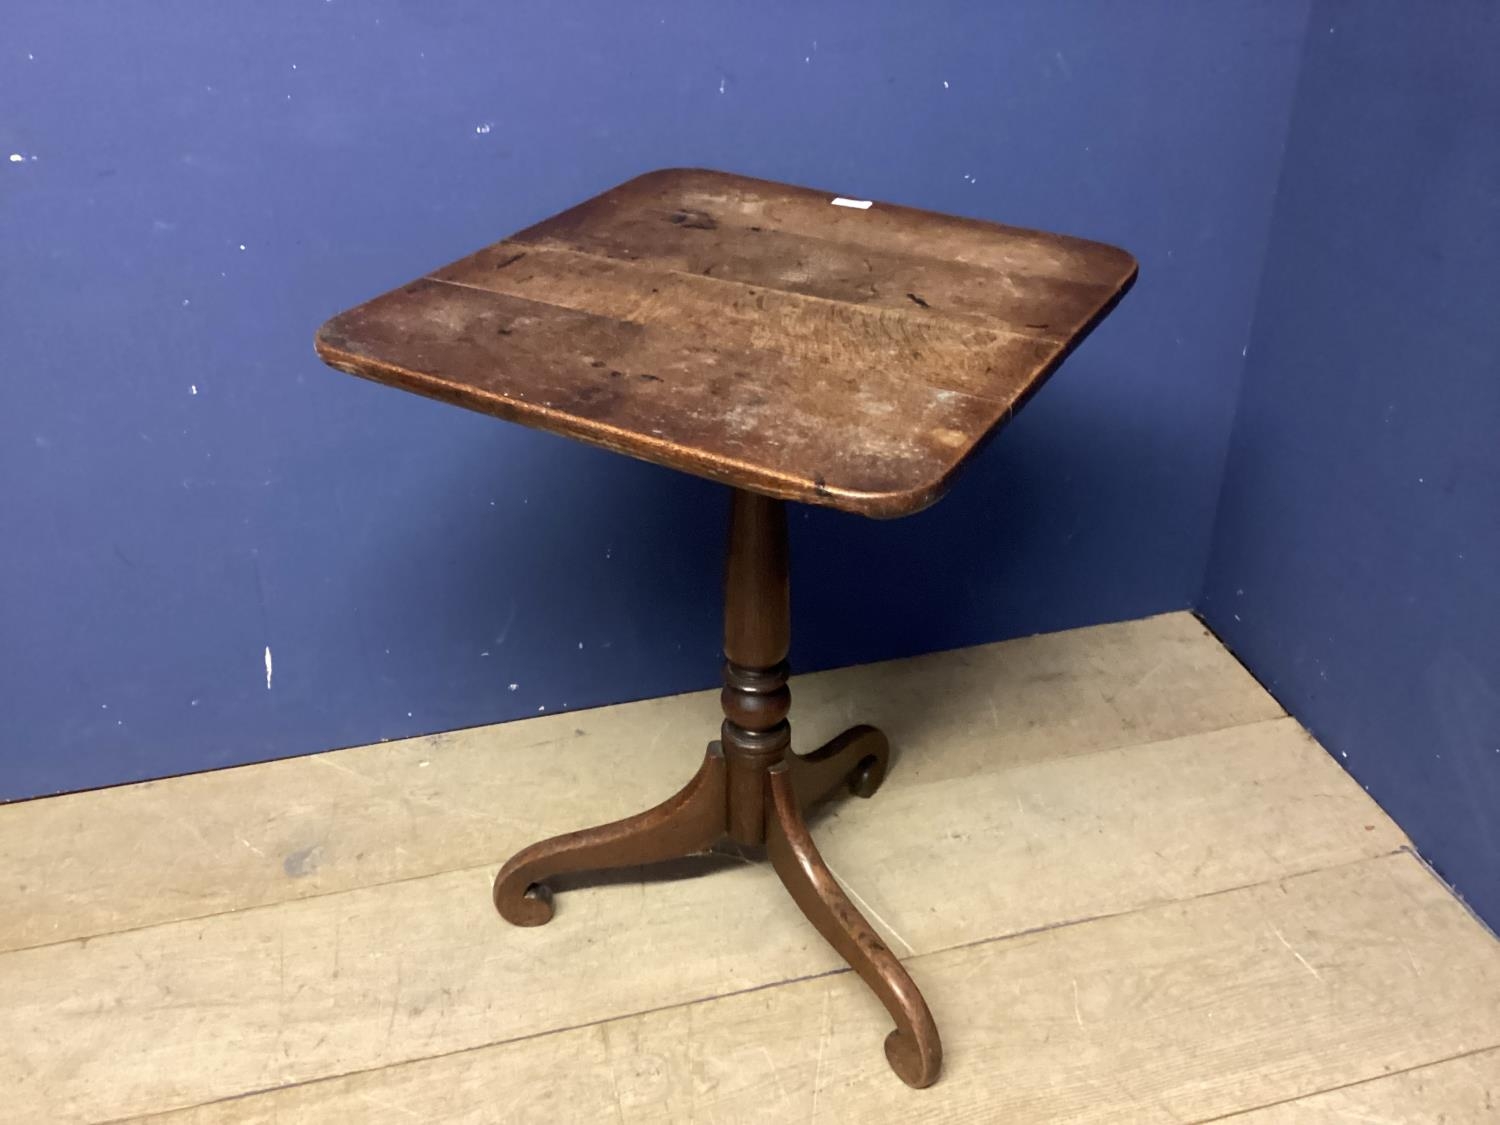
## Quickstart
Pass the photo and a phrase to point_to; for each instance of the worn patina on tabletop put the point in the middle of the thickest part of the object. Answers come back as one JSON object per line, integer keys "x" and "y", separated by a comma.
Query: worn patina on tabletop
{"x": 793, "y": 345}
{"x": 766, "y": 336}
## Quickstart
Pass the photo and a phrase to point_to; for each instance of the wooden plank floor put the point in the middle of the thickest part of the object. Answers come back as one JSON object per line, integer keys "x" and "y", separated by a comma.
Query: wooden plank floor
{"x": 1130, "y": 887}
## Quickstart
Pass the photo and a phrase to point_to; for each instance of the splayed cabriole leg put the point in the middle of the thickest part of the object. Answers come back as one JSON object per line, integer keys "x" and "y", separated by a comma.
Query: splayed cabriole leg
{"x": 856, "y": 760}
{"x": 690, "y": 821}
{"x": 752, "y": 790}
{"x": 914, "y": 1050}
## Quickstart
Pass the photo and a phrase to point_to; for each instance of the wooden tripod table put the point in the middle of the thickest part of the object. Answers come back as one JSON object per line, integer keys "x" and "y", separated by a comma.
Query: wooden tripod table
{"x": 794, "y": 346}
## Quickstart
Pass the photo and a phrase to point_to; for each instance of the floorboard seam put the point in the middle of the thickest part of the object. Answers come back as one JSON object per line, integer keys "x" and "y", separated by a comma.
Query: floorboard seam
{"x": 1186, "y": 611}
{"x": 842, "y": 971}
{"x": 1346, "y": 1085}
{"x": 495, "y": 865}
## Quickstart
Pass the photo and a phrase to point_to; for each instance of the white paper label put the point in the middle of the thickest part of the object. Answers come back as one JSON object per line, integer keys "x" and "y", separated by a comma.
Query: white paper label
{"x": 857, "y": 204}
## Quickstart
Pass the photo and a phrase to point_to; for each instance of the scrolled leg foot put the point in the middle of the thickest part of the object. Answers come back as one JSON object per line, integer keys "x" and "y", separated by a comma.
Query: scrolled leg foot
{"x": 856, "y": 759}
{"x": 533, "y": 907}
{"x": 690, "y": 821}
{"x": 914, "y": 1049}
{"x": 915, "y": 1061}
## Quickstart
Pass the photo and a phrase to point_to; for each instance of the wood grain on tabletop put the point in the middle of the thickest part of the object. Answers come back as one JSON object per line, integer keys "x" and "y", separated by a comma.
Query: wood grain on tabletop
{"x": 750, "y": 332}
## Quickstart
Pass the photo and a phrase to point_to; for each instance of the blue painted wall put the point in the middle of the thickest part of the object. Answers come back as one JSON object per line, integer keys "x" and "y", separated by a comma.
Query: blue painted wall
{"x": 194, "y": 187}
{"x": 1356, "y": 561}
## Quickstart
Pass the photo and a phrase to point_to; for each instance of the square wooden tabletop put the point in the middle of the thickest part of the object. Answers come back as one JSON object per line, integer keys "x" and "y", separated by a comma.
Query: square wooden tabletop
{"x": 778, "y": 339}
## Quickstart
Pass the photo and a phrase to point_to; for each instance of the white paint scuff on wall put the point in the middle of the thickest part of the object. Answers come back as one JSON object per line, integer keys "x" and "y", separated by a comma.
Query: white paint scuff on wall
{"x": 268, "y": 667}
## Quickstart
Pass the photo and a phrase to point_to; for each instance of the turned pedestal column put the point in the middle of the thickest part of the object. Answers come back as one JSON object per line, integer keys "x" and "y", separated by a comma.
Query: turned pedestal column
{"x": 752, "y": 790}
{"x": 792, "y": 344}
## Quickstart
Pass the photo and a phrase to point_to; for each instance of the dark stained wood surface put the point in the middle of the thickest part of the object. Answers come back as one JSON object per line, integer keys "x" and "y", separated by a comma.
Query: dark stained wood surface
{"x": 749, "y": 332}
{"x": 757, "y": 638}
{"x": 753, "y": 791}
